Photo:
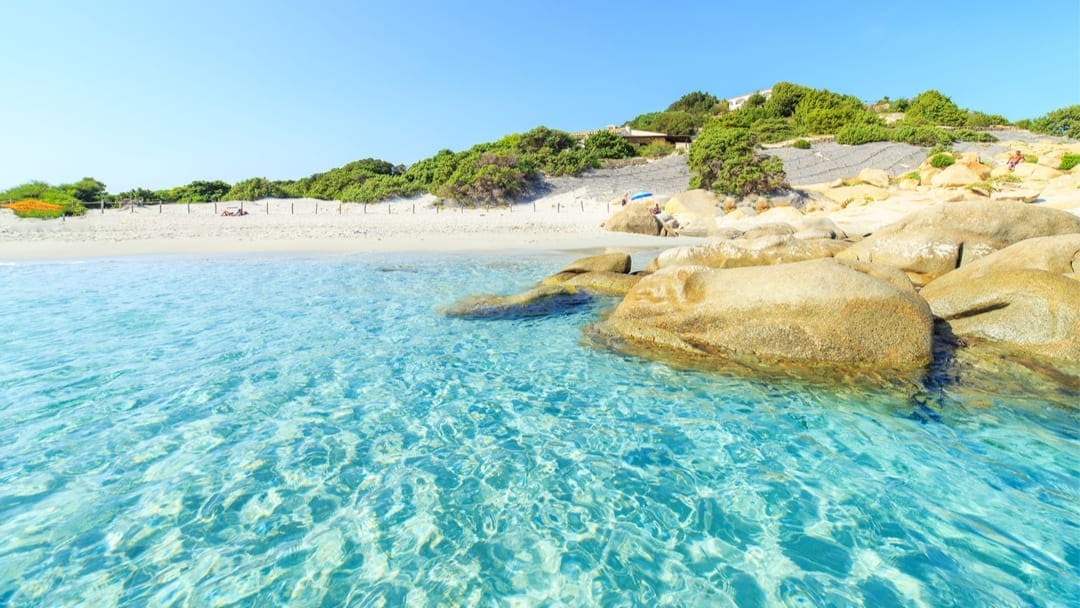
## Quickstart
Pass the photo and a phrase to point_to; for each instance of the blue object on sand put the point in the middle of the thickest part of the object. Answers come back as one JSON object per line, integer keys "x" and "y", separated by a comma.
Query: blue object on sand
{"x": 640, "y": 195}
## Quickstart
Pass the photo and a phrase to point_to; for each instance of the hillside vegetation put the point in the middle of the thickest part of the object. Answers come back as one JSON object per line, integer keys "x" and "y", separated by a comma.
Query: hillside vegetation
{"x": 723, "y": 156}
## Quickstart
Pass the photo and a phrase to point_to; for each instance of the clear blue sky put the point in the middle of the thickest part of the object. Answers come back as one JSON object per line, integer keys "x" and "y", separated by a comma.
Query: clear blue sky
{"x": 158, "y": 93}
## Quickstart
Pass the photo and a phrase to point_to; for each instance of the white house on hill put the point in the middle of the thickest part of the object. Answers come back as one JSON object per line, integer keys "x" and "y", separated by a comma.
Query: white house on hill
{"x": 737, "y": 102}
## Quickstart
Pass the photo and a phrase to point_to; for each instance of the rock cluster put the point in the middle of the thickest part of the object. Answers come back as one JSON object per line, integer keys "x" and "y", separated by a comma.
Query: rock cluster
{"x": 867, "y": 284}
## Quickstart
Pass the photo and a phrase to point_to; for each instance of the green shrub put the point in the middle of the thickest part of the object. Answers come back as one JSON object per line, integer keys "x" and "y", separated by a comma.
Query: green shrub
{"x": 1069, "y": 161}
{"x": 772, "y": 130}
{"x": 983, "y": 120}
{"x": 1064, "y": 122}
{"x": 940, "y": 161}
{"x": 253, "y": 189}
{"x": 801, "y": 144}
{"x": 605, "y": 144}
{"x": 569, "y": 162}
{"x": 745, "y": 117}
{"x": 969, "y": 135}
{"x": 656, "y": 150}
{"x": 541, "y": 140}
{"x": 823, "y": 112}
{"x": 670, "y": 123}
{"x": 1031, "y": 158}
{"x": 756, "y": 100}
{"x": 784, "y": 98}
{"x": 857, "y": 134}
{"x": 40, "y": 191}
{"x": 487, "y": 177}
{"x": 724, "y": 159}
{"x": 933, "y": 108}
{"x": 920, "y": 135}
{"x": 697, "y": 102}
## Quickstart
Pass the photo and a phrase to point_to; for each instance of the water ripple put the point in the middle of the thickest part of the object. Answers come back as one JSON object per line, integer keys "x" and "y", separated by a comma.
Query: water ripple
{"x": 310, "y": 431}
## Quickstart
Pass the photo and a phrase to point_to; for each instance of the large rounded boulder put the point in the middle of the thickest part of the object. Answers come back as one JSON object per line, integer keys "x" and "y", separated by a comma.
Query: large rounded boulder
{"x": 934, "y": 241}
{"x": 1035, "y": 311}
{"x": 1055, "y": 254}
{"x": 638, "y": 218}
{"x": 742, "y": 252}
{"x": 807, "y": 312}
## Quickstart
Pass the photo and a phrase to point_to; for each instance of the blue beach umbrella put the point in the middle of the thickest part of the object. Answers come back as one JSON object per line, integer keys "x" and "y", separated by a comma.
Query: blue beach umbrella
{"x": 640, "y": 195}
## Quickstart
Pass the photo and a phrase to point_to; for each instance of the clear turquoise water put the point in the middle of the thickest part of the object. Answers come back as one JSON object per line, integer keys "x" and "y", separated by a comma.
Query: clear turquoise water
{"x": 309, "y": 431}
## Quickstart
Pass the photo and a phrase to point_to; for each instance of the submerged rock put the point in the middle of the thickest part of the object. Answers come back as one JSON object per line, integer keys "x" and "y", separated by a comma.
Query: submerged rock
{"x": 604, "y": 283}
{"x": 605, "y": 274}
{"x": 813, "y": 311}
{"x": 539, "y": 301}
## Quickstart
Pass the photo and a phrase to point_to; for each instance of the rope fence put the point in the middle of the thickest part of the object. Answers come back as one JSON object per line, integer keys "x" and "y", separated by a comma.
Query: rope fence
{"x": 289, "y": 207}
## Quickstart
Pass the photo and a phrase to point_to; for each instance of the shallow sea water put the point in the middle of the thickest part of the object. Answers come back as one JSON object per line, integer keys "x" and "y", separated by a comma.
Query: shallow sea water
{"x": 310, "y": 431}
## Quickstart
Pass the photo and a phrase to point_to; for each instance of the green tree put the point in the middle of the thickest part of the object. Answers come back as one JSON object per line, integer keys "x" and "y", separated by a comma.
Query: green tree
{"x": 543, "y": 140}
{"x": 725, "y": 160}
{"x": 697, "y": 102}
{"x": 785, "y": 98}
{"x": 86, "y": 189}
{"x": 605, "y": 144}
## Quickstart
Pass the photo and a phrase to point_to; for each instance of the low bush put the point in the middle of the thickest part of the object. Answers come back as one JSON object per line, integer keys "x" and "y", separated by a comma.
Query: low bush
{"x": 31, "y": 208}
{"x": 941, "y": 160}
{"x": 1064, "y": 122}
{"x": 801, "y": 144}
{"x": 39, "y": 191}
{"x": 983, "y": 120}
{"x": 920, "y": 135}
{"x": 1069, "y": 161}
{"x": 772, "y": 130}
{"x": 656, "y": 150}
{"x": 856, "y": 134}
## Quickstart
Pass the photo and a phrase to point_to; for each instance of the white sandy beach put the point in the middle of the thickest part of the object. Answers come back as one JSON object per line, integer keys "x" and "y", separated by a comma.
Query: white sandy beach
{"x": 554, "y": 223}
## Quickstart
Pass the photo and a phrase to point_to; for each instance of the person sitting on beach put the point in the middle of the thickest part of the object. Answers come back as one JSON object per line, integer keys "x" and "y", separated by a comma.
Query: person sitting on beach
{"x": 1015, "y": 159}
{"x": 625, "y": 199}
{"x": 656, "y": 209}
{"x": 242, "y": 212}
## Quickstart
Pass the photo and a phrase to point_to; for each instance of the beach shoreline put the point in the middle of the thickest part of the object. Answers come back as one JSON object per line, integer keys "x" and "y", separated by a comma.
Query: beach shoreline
{"x": 309, "y": 226}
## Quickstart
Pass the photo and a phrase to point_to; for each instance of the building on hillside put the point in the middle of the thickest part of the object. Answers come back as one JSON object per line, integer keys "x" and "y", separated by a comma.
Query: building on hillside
{"x": 737, "y": 102}
{"x": 643, "y": 138}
